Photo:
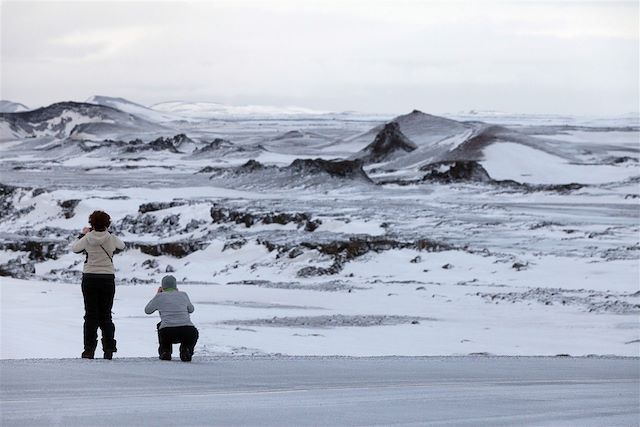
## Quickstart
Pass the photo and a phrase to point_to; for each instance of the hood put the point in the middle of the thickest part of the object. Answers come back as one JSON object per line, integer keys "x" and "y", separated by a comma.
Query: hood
{"x": 97, "y": 237}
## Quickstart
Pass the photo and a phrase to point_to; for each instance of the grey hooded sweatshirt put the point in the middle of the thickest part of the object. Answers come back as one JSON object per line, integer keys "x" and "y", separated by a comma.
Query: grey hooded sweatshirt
{"x": 99, "y": 246}
{"x": 174, "y": 307}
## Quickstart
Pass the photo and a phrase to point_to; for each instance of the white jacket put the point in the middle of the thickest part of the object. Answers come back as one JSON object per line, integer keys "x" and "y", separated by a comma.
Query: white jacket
{"x": 99, "y": 246}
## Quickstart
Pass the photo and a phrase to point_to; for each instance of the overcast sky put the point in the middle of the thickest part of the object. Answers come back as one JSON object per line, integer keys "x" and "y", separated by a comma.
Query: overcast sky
{"x": 372, "y": 56}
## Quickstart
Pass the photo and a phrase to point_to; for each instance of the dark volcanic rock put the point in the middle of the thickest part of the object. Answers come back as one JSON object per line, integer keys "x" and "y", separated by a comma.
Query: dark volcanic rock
{"x": 209, "y": 169}
{"x": 150, "y": 264}
{"x": 343, "y": 251}
{"x": 313, "y": 271}
{"x": 531, "y": 188}
{"x": 235, "y": 243}
{"x": 8, "y": 195}
{"x": 39, "y": 249}
{"x": 159, "y": 144}
{"x": 158, "y": 206}
{"x": 6, "y": 200}
{"x": 18, "y": 269}
{"x": 251, "y": 165}
{"x": 216, "y": 144}
{"x": 620, "y": 159}
{"x": 148, "y": 224}
{"x": 387, "y": 142}
{"x": 453, "y": 171}
{"x": 300, "y": 170}
{"x": 221, "y": 215}
{"x": 461, "y": 170}
{"x": 68, "y": 207}
{"x": 336, "y": 168}
{"x": 177, "y": 249}
{"x": 162, "y": 144}
{"x": 246, "y": 168}
{"x": 6, "y": 190}
{"x": 359, "y": 245}
{"x": 180, "y": 139}
{"x": 295, "y": 253}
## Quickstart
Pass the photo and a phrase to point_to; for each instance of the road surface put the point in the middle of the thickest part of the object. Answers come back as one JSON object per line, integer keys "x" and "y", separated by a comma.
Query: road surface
{"x": 313, "y": 391}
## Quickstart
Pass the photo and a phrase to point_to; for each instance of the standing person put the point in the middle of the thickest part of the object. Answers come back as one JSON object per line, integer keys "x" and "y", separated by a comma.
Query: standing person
{"x": 98, "y": 283}
{"x": 175, "y": 323}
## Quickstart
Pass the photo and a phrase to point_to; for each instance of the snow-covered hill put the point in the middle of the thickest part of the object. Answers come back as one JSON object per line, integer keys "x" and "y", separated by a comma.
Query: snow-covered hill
{"x": 12, "y": 107}
{"x": 77, "y": 121}
{"x": 132, "y": 108}
{"x": 424, "y": 130}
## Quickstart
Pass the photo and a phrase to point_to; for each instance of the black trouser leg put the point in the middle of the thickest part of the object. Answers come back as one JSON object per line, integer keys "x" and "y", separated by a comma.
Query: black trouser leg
{"x": 98, "y": 292}
{"x": 104, "y": 316}
{"x": 164, "y": 340}
{"x": 90, "y": 328}
{"x": 188, "y": 338}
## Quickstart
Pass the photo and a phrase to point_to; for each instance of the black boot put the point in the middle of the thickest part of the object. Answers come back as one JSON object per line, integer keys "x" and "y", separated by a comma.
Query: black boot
{"x": 88, "y": 353}
{"x": 109, "y": 347}
{"x": 165, "y": 355}
{"x": 89, "y": 350}
{"x": 185, "y": 353}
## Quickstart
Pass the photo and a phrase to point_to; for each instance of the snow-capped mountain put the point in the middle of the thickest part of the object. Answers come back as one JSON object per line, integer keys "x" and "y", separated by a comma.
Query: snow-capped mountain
{"x": 423, "y": 130}
{"x": 132, "y": 108}
{"x": 211, "y": 110}
{"x": 414, "y": 140}
{"x": 75, "y": 120}
{"x": 12, "y": 107}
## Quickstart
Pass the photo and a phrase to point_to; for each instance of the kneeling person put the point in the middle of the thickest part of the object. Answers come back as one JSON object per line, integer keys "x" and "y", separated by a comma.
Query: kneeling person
{"x": 175, "y": 324}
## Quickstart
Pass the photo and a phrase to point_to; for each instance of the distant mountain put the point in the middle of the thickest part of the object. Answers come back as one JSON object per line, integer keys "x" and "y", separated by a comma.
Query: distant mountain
{"x": 76, "y": 120}
{"x": 132, "y": 108}
{"x": 425, "y": 131}
{"x": 414, "y": 140}
{"x": 12, "y": 107}
{"x": 211, "y": 110}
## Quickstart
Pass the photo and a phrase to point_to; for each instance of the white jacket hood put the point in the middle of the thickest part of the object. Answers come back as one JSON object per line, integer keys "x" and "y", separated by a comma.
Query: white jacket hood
{"x": 97, "y": 237}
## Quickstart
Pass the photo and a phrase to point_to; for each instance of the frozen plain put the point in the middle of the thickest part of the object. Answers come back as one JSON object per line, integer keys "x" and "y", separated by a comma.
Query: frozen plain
{"x": 384, "y": 264}
{"x": 308, "y": 391}
{"x": 282, "y": 256}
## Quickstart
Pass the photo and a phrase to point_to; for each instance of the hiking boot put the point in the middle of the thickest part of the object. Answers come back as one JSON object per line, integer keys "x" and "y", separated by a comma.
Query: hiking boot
{"x": 89, "y": 349}
{"x": 88, "y": 353}
{"x": 165, "y": 356}
{"x": 186, "y": 354}
{"x": 109, "y": 347}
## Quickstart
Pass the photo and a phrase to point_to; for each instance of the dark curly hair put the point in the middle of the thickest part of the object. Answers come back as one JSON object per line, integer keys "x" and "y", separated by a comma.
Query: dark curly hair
{"x": 99, "y": 220}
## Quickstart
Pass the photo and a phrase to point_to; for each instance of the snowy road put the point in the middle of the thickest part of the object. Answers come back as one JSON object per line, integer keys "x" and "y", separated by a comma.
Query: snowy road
{"x": 466, "y": 391}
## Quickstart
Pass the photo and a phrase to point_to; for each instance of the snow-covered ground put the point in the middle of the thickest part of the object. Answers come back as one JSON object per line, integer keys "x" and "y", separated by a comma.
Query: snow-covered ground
{"x": 526, "y": 164}
{"x": 284, "y": 251}
{"x": 280, "y": 391}
{"x": 44, "y": 319}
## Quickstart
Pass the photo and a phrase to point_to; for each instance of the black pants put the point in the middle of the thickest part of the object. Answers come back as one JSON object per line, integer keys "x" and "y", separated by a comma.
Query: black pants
{"x": 98, "y": 291}
{"x": 186, "y": 336}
